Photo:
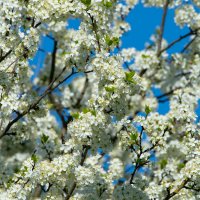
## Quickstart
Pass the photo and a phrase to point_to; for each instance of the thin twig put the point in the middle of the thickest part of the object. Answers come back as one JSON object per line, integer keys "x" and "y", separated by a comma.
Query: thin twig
{"x": 189, "y": 43}
{"x": 53, "y": 63}
{"x": 94, "y": 26}
{"x": 78, "y": 103}
{"x": 5, "y": 56}
{"x": 83, "y": 157}
{"x": 192, "y": 32}
{"x": 34, "y": 104}
{"x": 167, "y": 93}
{"x": 138, "y": 165}
{"x": 177, "y": 190}
{"x": 56, "y": 105}
{"x": 162, "y": 27}
{"x": 2, "y": 58}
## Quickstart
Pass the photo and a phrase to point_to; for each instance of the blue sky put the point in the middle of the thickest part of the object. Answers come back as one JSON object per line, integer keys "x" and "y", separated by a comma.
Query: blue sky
{"x": 144, "y": 21}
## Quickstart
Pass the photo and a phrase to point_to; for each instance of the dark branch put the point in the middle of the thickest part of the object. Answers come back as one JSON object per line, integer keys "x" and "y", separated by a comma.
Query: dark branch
{"x": 138, "y": 164}
{"x": 53, "y": 63}
{"x": 94, "y": 26}
{"x": 58, "y": 107}
{"x": 83, "y": 157}
{"x": 78, "y": 103}
{"x": 167, "y": 93}
{"x": 162, "y": 26}
{"x": 2, "y": 58}
{"x": 35, "y": 104}
{"x": 5, "y": 56}
{"x": 189, "y": 43}
{"x": 192, "y": 32}
{"x": 177, "y": 190}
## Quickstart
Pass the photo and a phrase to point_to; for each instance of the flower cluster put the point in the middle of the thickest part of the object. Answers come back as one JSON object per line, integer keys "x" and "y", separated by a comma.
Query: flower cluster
{"x": 85, "y": 124}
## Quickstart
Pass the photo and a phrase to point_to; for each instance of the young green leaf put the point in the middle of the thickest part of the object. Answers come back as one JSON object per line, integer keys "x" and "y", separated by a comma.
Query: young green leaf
{"x": 115, "y": 41}
{"x": 108, "y": 40}
{"x": 93, "y": 112}
{"x": 44, "y": 138}
{"x": 108, "y": 4}
{"x": 75, "y": 115}
{"x": 147, "y": 109}
{"x": 111, "y": 41}
{"x": 129, "y": 77}
{"x": 34, "y": 158}
{"x": 145, "y": 56}
{"x": 86, "y": 2}
{"x": 86, "y": 110}
{"x": 163, "y": 163}
{"x": 109, "y": 89}
{"x": 134, "y": 136}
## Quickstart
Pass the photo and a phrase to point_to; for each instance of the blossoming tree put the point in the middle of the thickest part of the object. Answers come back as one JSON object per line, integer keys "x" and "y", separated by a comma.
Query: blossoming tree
{"x": 97, "y": 101}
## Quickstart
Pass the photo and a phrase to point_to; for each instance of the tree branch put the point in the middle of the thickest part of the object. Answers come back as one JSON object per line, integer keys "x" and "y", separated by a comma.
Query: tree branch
{"x": 189, "y": 43}
{"x": 192, "y": 32}
{"x": 34, "y": 104}
{"x": 56, "y": 105}
{"x": 167, "y": 93}
{"x": 83, "y": 157}
{"x": 53, "y": 63}
{"x": 162, "y": 26}
{"x": 5, "y": 56}
{"x": 78, "y": 103}
{"x": 2, "y": 58}
{"x": 138, "y": 164}
{"x": 177, "y": 190}
{"x": 94, "y": 26}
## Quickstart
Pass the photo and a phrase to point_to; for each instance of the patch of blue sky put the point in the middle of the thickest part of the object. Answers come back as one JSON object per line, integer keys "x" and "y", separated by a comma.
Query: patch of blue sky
{"x": 73, "y": 23}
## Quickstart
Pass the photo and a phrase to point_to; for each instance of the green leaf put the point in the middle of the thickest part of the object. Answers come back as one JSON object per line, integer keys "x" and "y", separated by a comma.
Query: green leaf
{"x": 86, "y": 2}
{"x": 129, "y": 77}
{"x": 93, "y": 112}
{"x": 23, "y": 171}
{"x": 115, "y": 41}
{"x": 145, "y": 56}
{"x": 163, "y": 163}
{"x": 50, "y": 105}
{"x": 108, "y": 40}
{"x": 44, "y": 78}
{"x": 108, "y": 4}
{"x": 134, "y": 136}
{"x": 44, "y": 138}
{"x": 10, "y": 182}
{"x": 147, "y": 109}
{"x": 111, "y": 41}
{"x": 180, "y": 166}
{"x": 109, "y": 89}
{"x": 16, "y": 170}
{"x": 85, "y": 110}
{"x": 75, "y": 115}
{"x": 34, "y": 158}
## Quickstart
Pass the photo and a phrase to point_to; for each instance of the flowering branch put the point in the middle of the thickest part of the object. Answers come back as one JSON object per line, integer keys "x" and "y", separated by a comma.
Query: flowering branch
{"x": 177, "y": 190}
{"x": 94, "y": 25}
{"x": 78, "y": 103}
{"x": 83, "y": 157}
{"x": 34, "y": 105}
